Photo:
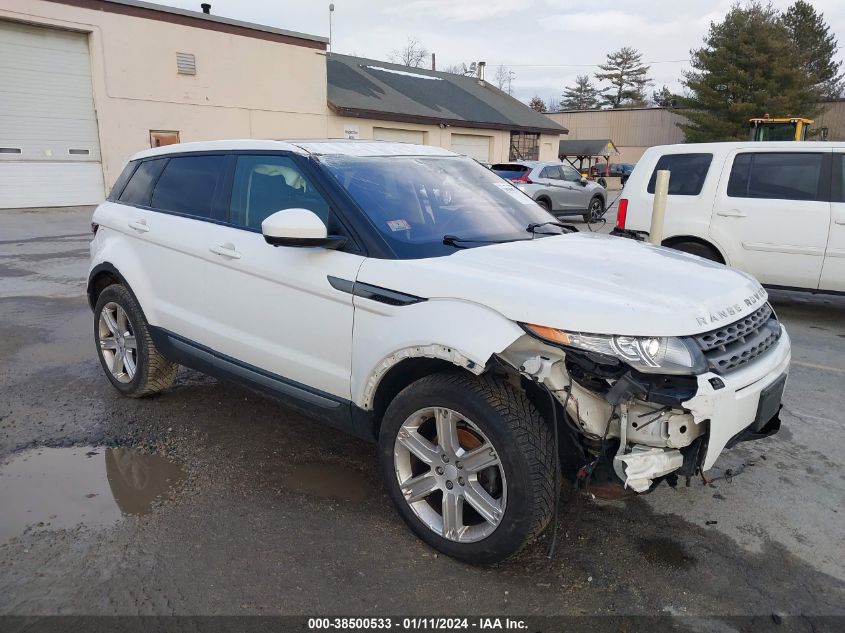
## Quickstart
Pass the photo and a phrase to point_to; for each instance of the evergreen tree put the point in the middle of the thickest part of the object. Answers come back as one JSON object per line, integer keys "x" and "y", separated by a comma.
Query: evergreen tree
{"x": 745, "y": 69}
{"x": 817, "y": 47}
{"x": 582, "y": 96}
{"x": 537, "y": 104}
{"x": 663, "y": 98}
{"x": 628, "y": 77}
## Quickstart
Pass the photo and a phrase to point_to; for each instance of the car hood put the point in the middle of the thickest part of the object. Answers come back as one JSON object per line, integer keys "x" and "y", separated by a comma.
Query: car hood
{"x": 582, "y": 282}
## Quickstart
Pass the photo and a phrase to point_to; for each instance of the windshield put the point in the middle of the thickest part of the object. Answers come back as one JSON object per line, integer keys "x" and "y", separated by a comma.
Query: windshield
{"x": 415, "y": 202}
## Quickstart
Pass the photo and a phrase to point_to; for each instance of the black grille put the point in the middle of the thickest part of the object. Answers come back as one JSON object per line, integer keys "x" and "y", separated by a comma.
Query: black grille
{"x": 732, "y": 346}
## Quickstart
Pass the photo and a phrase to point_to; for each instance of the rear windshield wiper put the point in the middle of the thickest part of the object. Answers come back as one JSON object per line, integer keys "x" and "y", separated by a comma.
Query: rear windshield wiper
{"x": 532, "y": 228}
{"x": 454, "y": 240}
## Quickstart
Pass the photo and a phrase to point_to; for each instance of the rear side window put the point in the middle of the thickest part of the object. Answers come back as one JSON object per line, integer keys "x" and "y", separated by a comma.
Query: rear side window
{"x": 688, "y": 172}
{"x": 551, "y": 172}
{"x": 138, "y": 189}
{"x": 189, "y": 185}
{"x": 838, "y": 184}
{"x": 776, "y": 176}
{"x": 510, "y": 171}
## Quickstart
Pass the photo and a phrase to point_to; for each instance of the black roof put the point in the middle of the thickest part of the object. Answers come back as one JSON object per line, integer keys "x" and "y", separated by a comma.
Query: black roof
{"x": 587, "y": 147}
{"x": 374, "y": 89}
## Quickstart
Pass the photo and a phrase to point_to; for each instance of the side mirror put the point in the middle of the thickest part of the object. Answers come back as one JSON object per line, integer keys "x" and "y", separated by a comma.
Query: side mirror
{"x": 298, "y": 227}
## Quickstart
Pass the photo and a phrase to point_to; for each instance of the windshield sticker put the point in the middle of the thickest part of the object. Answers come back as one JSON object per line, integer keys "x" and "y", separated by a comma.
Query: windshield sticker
{"x": 398, "y": 225}
{"x": 515, "y": 193}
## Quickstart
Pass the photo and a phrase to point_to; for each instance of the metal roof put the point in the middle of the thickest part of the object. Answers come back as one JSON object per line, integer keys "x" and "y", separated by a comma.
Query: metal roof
{"x": 373, "y": 89}
{"x": 598, "y": 147}
{"x": 139, "y": 8}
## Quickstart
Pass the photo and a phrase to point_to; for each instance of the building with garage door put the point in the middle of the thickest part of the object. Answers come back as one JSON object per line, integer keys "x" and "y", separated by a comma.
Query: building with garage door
{"x": 84, "y": 84}
{"x": 372, "y": 99}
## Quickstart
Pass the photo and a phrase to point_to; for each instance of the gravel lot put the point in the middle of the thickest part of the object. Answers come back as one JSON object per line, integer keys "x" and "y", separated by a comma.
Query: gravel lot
{"x": 210, "y": 500}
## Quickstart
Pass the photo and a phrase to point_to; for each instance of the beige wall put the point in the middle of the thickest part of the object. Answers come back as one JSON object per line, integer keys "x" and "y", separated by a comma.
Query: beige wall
{"x": 631, "y": 130}
{"x": 442, "y": 137}
{"x": 833, "y": 118}
{"x": 137, "y": 89}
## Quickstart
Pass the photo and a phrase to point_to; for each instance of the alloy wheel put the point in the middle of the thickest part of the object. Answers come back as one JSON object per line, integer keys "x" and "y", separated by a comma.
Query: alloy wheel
{"x": 117, "y": 342}
{"x": 450, "y": 474}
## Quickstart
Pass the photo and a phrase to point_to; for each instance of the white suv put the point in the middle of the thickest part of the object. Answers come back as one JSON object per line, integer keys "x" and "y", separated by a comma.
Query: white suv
{"x": 410, "y": 296}
{"x": 775, "y": 210}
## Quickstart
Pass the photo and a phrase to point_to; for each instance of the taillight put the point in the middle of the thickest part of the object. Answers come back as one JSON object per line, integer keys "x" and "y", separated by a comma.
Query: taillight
{"x": 94, "y": 227}
{"x": 622, "y": 213}
{"x": 525, "y": 180}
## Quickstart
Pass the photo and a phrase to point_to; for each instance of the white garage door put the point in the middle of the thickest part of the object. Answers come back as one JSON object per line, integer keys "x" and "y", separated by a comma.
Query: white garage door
{"x": 473, "y": 145}
{"x": 398, "y": 136}
{"x": 49, "y": 148}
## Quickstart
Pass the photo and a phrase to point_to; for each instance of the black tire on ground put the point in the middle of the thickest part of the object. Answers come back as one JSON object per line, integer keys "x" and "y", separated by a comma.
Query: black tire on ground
{"x": 521, "y": 438}
{"x": 545, "y": 204}
{"x": 595, "y": 211}
{"x": 153, "y": 372}
{"x": 697, "y": 248}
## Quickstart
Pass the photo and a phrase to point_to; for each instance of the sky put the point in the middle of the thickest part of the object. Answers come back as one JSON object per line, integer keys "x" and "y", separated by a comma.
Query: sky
{"x": 546, "y": 43}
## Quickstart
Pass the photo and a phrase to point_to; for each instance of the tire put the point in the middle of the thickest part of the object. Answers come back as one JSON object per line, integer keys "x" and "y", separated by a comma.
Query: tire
{"x": 545, "y": 204}
{"x": 602, "y": 182}
{"x": 119, "y": 324}
{"x": 517, "y": 482}
{"x": 697, "y": 248}
{"x": 595, "y": 211}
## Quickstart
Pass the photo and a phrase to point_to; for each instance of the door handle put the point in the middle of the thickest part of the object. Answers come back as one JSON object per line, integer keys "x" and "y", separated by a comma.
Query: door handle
{"x": 139, "y": 225}
{"x": 225, "y": 250}
{"x": 840, "y": 221}
{"x": 732, "y": 214}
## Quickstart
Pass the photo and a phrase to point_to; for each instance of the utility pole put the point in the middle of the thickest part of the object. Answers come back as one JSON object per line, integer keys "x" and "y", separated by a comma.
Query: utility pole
{"x": 331, "y": 11}
{"x": 511, "y": 76}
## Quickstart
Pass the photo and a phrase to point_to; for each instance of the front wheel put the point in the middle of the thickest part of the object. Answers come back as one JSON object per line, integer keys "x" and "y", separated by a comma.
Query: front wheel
{"x": 595, "y": 211}
{"x": 470, "y": 465}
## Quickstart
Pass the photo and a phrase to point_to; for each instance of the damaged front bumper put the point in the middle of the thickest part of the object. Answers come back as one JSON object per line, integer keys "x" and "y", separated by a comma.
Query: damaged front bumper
{"x": 732, "y": 403}
{"x": 661, "y": 431}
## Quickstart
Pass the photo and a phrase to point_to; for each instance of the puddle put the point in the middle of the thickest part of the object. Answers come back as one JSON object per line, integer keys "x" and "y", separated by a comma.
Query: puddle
{"x": 663, "y": 551}
{"x": 61, "y": 488}
{"x": 327, "y": 480}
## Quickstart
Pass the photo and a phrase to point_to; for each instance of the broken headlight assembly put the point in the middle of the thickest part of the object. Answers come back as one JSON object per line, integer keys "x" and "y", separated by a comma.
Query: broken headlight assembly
{"x": 648, "y": 354}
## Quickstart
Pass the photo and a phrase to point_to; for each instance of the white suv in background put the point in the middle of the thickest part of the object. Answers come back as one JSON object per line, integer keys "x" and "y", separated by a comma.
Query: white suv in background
{"x": 488, "y": 339}
{"x": 775, "y": 210}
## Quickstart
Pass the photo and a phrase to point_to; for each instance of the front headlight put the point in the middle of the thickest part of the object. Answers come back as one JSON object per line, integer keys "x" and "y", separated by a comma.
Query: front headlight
{"x": 650, "y": 355}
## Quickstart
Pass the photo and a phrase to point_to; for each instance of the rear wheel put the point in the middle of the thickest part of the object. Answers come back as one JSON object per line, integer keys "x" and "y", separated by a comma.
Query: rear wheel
{"x": 697, "y": 248}
{"x": 469, "y": 464}
{"x": 127, "y": 353}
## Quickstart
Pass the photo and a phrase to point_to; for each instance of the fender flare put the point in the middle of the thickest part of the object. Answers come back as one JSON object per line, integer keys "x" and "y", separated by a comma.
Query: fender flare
{"x": 95, "y": 272}
{"x": 441, "y": 352}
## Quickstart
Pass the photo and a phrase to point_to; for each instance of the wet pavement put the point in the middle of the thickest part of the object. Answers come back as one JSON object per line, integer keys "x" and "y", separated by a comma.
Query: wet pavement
{"x": 208, "y": 499}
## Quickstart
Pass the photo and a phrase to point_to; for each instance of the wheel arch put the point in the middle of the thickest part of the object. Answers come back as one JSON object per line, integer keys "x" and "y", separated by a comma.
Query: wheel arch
{"x": 677, "y": 239}
{"x": 400, "y": 375}
{"x": 101, "y": 277}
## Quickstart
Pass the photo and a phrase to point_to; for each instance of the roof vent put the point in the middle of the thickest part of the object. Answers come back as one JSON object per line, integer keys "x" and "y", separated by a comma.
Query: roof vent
{"x": 206, "y": 8}
{"x": 186, "y": 64}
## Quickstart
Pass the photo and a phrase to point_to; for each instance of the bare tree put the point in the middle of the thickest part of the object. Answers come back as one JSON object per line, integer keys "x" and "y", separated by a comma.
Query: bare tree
{"x": 412, "y": 55}
{"x": 467, "y": 70}
{"x": 504, "y": 78}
